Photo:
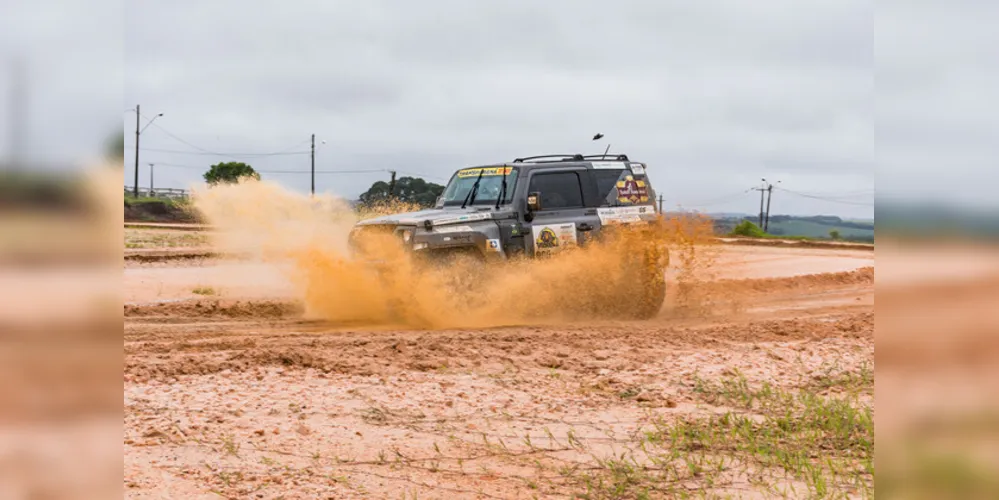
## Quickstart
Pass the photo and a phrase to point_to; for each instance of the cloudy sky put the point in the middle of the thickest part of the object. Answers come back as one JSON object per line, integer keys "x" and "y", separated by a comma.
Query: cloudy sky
{"x": 826, "y": 96}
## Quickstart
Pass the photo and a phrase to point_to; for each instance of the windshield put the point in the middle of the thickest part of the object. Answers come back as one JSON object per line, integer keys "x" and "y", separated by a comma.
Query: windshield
{"x": 489, "y": 188}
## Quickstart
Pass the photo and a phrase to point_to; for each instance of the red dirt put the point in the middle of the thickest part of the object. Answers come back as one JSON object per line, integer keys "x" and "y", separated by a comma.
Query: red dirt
{"x": 246, "y": 398}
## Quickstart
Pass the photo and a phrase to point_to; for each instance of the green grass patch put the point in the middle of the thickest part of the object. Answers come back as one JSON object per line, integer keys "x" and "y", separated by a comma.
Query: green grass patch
{"x": 794, "y": 443}
{"x": 164, "y": 238}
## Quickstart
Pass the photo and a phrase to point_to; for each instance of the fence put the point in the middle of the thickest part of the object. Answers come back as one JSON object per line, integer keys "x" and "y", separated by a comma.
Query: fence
{"x": 175, "y": 193}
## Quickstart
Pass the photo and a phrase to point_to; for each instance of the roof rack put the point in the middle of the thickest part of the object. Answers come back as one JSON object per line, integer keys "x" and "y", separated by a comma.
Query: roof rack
{"x": 607, "y": 157}
{"x": 549, "y": 158}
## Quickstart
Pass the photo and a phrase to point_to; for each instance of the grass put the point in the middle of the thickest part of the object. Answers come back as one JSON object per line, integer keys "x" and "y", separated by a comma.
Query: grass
{"x": 747, "y": 229}
{"x": 204, "y": 290}
{"x": 164, "y": 238}
{"x": 794, "y": 443}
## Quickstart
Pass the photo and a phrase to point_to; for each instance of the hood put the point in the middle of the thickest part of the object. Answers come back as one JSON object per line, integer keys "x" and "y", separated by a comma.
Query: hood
{"x": 436, "y": 216}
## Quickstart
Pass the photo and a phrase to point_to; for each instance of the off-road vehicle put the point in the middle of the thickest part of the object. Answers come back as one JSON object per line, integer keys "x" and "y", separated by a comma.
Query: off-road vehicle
{"x": 535, "y": 207}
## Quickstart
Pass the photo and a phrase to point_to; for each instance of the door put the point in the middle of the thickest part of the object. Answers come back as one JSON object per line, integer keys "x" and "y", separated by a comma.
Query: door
{"x": 564, "y": 219}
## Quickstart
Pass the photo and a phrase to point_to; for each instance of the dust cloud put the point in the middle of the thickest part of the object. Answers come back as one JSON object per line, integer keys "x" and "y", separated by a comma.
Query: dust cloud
{"x": 307, "y": 237}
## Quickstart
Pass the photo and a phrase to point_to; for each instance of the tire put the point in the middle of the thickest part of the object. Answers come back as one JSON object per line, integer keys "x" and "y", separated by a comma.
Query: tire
{"x": 647, "y": 289}
{"x": 462, "y": 270}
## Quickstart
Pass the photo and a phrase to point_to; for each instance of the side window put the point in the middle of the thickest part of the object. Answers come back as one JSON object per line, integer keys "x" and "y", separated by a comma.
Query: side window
{"x": 607, "y": 184}
{"x": 558, "y": 190}
{"x": 621, "y": 187}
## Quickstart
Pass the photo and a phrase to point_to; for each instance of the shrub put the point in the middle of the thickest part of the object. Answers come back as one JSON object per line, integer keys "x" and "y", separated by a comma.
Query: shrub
{"x": 747, "y": 228}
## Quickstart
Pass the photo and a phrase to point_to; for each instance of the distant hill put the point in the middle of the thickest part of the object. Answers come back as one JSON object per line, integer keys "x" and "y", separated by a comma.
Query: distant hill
{"x": 816, "y": 226}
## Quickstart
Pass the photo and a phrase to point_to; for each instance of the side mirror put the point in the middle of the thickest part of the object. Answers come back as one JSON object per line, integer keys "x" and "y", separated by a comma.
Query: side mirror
{"x": 533, "y": 202}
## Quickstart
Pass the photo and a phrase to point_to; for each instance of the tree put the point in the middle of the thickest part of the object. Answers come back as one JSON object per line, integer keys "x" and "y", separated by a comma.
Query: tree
{"x": 407, "y": 189}
{"x": 834, "y": 234}
{"x": 747, "y": 228}
{"x": 229, "y": 172}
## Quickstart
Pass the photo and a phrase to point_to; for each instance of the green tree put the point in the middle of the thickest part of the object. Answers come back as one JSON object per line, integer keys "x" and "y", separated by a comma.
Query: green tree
{"x": 834, "y": 234}
{"x": 229, "y": 172}
{"x": 747, "y": 228}
{"x": 407, "y": 189}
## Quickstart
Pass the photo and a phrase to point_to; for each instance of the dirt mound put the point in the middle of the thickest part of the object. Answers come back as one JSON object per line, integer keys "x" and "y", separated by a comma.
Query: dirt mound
{"x": 796, "y": 243}
{"x": 704, "y": 296}
{"x": 208, "y": 309}
{"x": 581, "y": 348}
{"x": 862, "y": 276}
{"x": 159, "y": 211}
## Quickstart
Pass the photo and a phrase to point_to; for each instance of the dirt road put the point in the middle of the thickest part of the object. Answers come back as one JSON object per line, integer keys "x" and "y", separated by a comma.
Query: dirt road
{"x": 229, "y": 393}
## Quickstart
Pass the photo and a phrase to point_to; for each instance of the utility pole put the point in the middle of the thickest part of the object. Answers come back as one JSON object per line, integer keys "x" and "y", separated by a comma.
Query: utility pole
{"x": 135, "y": 188}
{"x": 660, "y": 204}
{"x": 151, "y": 188}
{"x": 392, "y": 184}
{"x": 766, "y": 190}
{"x": 313, "y": 191}
{"x": 770, "y": 190}
{"x": 762, "y": 191}
{"x": 766, "y": 221}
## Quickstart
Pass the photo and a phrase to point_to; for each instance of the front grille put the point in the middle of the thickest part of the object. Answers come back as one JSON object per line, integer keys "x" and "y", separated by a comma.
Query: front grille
{"x": 357, "y": 235}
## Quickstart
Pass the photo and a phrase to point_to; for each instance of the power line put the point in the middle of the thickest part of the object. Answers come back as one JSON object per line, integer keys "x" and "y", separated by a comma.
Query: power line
{"x": 826, "y": 198}
{"x": 362, "y": 171}
{"x": 202, "y": 153}
{"x": 720, "y": 200}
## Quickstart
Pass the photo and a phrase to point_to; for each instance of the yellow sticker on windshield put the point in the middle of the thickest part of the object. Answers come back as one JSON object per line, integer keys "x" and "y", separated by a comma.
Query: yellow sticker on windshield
{"x": 474, "y": 172}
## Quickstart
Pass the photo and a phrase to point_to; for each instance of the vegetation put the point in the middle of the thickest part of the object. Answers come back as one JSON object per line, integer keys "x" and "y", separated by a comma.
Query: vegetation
{"x": 783, "y": 442}
{"x": 407, "y": 190}
{"x": 795, "y": 227}
{"x": 229, "y": 172}
{"x": 748, "y": 229}
{"x": 155, "y": 209}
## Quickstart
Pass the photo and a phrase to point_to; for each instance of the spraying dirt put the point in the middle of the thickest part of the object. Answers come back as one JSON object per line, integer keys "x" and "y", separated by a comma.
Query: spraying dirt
{"x": 301, "y": 372}
{"x": 308, "y": 237}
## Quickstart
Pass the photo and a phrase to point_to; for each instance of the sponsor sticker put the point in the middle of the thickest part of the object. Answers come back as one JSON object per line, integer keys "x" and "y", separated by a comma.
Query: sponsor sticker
{"x": 608, "y": 164}
{"x": 638, "y": 169}
{"x": 630, "y": 190}
{"x": 623, "y": 215}
{"x": 553, "y": 237}
{"x": 462, "y": 218}
{"x": 474, "y": 172}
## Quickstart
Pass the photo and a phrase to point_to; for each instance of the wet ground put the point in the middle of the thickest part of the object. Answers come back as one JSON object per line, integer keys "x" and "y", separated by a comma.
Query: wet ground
{"x": 230, "y": 393}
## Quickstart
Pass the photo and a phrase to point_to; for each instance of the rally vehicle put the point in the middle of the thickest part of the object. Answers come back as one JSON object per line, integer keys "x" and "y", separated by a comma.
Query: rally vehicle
{"x": 535, "y": 207}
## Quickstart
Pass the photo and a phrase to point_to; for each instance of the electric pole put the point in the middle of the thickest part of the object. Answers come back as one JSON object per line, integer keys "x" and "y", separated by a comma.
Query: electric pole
{"x": 392, "y": 184}
{"x": 766, "y": 190}
{"x": 762, "y": 191}
{"x": 660, "y": 204}
{"x": 313, "y": 190}
{"x": 770, "y": 191}
{"x": 135, "y": 188}
{"x": 138, "y": 131}
{"x": 766, "y": 221}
